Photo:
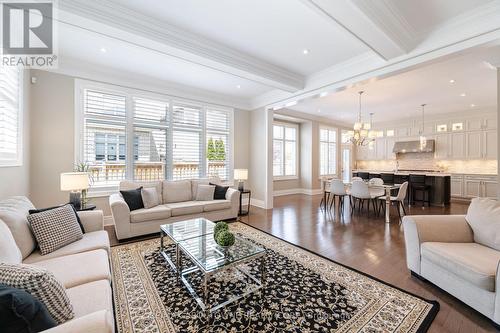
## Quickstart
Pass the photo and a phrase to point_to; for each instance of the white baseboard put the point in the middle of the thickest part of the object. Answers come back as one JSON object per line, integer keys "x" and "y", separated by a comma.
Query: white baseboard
{"x": 306, "y": 191}
{"x": 108, "y": 220}
{"x": 257, "y": 203}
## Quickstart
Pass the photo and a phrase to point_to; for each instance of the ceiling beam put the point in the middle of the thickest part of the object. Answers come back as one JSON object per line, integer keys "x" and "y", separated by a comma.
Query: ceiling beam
{"x": 374, "y": 23}
{"x": 111, "y": 19}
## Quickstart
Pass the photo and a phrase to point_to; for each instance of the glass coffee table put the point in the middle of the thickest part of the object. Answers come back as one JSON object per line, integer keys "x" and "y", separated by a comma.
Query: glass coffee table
{"x": 209, "y": 258}
{"x": 179, "y": 231}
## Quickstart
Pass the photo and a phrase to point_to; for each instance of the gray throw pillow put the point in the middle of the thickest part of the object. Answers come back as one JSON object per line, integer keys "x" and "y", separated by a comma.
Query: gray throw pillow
{"x": 483, "y": 217}
{"x": 150, "y": 197}
{"x": 42, "y": 285}
{"x": 205, "y": 193}
{"x": 55, "y": 228}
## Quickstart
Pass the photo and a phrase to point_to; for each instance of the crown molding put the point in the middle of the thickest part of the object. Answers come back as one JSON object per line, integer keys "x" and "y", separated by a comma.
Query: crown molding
{"x": 86, "y": 71}
{"x": 115, "y": 19}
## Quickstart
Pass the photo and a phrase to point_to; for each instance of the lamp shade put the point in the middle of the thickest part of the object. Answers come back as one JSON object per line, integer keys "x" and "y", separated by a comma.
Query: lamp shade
{"x": 74, "y": 181}
{"x": 241, "y": 174}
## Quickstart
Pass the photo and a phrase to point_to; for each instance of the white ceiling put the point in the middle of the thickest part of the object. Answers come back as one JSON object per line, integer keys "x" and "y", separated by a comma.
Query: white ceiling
{"x": 249, "y": 53}
{"x": 400, "y": 96}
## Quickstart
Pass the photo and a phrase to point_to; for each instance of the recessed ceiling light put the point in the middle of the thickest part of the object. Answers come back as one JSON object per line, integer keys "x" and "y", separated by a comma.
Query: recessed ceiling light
{"x": 305, "y": 51}
{"x": 103, "y": 50}
{"x": 463, "y": 95}
{"x": 473, "y": 105}
{"x": 323, "y": 94}
{"x": 291, "y": 104}
{"x": 238, "y": 86}
{"x": 452, "y": 81}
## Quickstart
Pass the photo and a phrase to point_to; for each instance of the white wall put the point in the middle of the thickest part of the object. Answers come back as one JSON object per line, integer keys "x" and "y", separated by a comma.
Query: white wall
{"x": 498, "y": 122}
{"x": 16, "y": 180}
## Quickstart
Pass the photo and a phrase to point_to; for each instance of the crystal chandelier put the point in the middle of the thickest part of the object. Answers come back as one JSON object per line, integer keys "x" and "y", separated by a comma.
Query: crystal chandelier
{"x": 423, "y": 139}
{"x": 362, "y": 134}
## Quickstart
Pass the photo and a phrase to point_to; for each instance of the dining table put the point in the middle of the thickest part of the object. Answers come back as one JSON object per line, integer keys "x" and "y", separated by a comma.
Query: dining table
{"x": 387, "y": 188}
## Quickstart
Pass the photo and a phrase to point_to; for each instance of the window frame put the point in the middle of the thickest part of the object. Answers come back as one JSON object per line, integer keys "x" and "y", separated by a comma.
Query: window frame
{"x": 297, "y": 157}
{"x": 19, "y": 159}
{"x": 81, "y": 85}
{"x": 328, "y": 128}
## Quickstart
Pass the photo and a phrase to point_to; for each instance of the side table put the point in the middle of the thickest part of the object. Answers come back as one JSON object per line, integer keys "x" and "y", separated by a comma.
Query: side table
{"x": 86, "y": 208}
{"x": 244, "y": 212}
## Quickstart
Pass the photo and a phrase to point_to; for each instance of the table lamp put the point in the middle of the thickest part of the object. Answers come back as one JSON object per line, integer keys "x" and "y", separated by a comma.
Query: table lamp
{"x": 241, "y": 175}
{"x": 75, "y": 182}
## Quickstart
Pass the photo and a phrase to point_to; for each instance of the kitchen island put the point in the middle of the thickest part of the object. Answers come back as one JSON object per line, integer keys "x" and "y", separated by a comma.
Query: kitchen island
{"x": 439, "y": 182}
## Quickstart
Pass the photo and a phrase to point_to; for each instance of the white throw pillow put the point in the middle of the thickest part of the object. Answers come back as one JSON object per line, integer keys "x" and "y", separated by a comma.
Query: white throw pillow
{"x": 483, "y": 217}
{"x": 150, "y": 197}
{"x": 9, "y": 252}
{"x": 205, "y": 193}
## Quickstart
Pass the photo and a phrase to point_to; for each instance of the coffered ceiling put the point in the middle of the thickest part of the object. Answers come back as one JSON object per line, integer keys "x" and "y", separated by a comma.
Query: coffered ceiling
{"x": 258, "y": 53}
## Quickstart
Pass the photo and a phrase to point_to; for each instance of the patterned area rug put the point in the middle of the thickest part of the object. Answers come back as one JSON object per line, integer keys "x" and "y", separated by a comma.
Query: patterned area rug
{"x": 304, "y": 293}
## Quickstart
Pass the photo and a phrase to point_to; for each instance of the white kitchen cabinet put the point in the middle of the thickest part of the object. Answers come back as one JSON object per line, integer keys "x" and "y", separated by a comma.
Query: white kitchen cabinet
{"x": 489, "y": 122}
{"x": 484, "y": 186}
{"x": 474, "y": 145}
{"x": 490, "y": 189}
{"x": 457, "y": 186}
{"x": 472, "y": 187}
{"x": 442, "y": 149}
{"x": 490, "y": 145}
{"x": 457, "y": 145}
{"x": 380, "y": 150}
{"x": 475, "y": 124}
{"x": 389, "y": 146}
{"x": 402, "y": 132}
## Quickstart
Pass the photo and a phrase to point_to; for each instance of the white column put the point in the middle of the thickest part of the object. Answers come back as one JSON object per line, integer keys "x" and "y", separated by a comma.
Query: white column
{"x": 498, "y": 129}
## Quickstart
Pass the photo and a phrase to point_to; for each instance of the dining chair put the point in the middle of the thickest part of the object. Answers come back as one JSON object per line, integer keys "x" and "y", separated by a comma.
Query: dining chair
{"x": 400, "y": 198}
{"x": 326, "y": 194}
{"x": 337, "y": 189}
{"x": 360, "y": 192}
{"x": 356, "y": 178}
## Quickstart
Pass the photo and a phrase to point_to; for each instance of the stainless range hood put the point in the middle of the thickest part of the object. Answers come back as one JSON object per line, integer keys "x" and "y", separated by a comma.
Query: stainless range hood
{"x": 405, "y": 147}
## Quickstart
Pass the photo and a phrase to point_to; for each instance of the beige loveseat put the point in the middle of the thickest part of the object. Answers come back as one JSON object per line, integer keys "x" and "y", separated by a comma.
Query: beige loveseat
{"x": 177, "y": 204}
{"x": 82, "y": 267}
{"x": 459, "y": 253}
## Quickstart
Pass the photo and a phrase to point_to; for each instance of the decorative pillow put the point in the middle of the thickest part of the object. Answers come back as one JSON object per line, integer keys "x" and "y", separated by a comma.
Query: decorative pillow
{"x": 133, "y": 198}
{"x": 483, "y": 217}
{"x": 34, "y": 211}
{"x": 42, "y": 285}
{"x": 9, "y": 252}
{"x": 205, "y": 193}
{"x": 150, "y": 197}
{"x": 126, "y": 185}
{"x": 21, "y": 312}
{"x": 55, "y": 228}
{"x": 220, "y": 192}
{"x": 177, "y": 191}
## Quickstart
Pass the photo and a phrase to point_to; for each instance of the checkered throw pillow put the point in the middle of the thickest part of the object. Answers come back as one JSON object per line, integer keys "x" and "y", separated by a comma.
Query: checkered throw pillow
{"x": 55, "y": 228}
{"x": 42, "y": 285}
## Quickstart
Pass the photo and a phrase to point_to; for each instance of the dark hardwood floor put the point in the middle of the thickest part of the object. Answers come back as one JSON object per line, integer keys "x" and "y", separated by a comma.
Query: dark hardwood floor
{"x": 366, "y": 243}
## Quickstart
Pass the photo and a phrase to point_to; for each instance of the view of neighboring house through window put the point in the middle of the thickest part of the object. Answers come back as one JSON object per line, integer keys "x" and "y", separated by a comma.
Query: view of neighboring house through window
{"x": 10, "y": 116}
{"x": 146, "y": 139}
{"x": 285, "y": 150}
{"x": 328, "y": 151}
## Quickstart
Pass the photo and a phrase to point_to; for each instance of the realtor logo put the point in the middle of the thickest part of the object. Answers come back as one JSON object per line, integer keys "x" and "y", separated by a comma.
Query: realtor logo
{"x": 28, "y": 34}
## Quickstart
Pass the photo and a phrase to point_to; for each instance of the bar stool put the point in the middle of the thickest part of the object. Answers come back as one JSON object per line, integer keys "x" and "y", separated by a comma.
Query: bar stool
{"x": 417, "y": 184}
{"x": 388, "y": 178}
{"x": 364, "y": 175}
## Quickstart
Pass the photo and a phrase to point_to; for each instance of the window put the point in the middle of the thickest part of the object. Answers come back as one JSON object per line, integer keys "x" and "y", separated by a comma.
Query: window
{"x": 10, "y": 116}
{"x": 130, "y": 136}
{"x": 328, "y": 151}
{"x": 285, "y": 150}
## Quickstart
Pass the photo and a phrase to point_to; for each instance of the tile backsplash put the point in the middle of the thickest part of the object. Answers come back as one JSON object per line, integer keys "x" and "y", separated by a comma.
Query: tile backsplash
{"x": 426, "y": 161}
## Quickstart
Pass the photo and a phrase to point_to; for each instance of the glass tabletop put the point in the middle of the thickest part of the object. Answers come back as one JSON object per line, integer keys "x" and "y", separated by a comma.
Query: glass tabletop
{"x": 182, "y": 230}
{"x": 210, "y": 257}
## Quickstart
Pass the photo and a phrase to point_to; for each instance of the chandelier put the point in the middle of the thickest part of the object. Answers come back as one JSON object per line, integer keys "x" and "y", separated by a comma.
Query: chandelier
{"x": 362, "y": 134}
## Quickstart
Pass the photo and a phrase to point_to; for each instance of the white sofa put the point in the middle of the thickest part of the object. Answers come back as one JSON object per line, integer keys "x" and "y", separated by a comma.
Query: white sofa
{"x": 454, "y": 253}
{"x": 177, "y": 204}
{"x": 82, "y": 267}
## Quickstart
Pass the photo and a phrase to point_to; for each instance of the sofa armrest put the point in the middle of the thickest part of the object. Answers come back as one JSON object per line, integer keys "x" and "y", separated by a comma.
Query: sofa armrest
{"x": 96, "y": 322}
{"x": 121, "y": 215}
{"x": 92, "y": 220}
{"x": 233, "y": 195}
{"x": 419, "y": 229}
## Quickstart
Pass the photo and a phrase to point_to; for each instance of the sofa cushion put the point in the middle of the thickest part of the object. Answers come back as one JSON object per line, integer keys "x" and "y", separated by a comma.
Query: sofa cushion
{"x": 42, "y": 284}
{"x": 55, "y": 228}
{"x": 205, "y": 192}
{"x": 186, "y": 207}
{"x": 76, "y": 269}
{"x": 9, "y": 252}
{"x": 210, "y": 206}
{"x": 156, "y": 213}
{"x": 471, "y": 262}
{"x": 483, "y": 217}
{"x": 91, "y": 241}
{"x": 90, "y": 297}
{"x": 14, "y": 212}
{"x": 130, "y": 185}
{"x": 194, "y": 186}
{"x": 176, "y": 191}
{"x": 150, "y": 197}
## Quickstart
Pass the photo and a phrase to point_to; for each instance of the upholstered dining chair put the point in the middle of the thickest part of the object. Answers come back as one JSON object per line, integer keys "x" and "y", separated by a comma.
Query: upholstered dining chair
{"x": 360, "y": 192}
{"x": 400, "y": 198}
{"x": 337, "y": 189}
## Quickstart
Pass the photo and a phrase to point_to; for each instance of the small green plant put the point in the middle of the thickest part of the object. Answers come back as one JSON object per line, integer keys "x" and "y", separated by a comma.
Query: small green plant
{"x": 224, "y": 238}
{"x": 220, "y": 226}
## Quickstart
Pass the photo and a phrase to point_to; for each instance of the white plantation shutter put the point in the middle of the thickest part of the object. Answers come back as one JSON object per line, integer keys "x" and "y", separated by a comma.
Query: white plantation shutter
{"x": 218, "y": 150}
{"x": 104, "y": 136}
{"x": 285, "y": 150}
{"x": 328, "y": 151}
{"x": 10, "y": 116}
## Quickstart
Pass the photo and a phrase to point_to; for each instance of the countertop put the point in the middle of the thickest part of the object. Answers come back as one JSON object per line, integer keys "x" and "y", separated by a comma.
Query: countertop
{"x": 406, "y": 173}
